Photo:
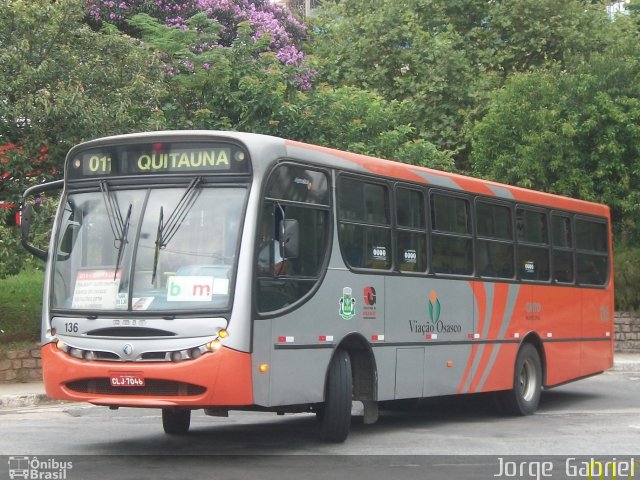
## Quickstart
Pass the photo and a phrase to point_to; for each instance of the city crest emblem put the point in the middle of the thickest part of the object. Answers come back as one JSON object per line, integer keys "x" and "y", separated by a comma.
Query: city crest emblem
{"x": 347, "y": 308}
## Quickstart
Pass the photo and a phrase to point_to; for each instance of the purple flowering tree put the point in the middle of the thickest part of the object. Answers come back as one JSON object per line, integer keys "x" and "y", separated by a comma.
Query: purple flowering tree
{"x": 238, "y": 65}
{"x": 271, "y": 26}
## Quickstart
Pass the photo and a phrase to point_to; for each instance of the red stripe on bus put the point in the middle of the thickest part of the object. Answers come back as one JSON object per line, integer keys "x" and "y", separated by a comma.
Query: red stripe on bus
{"x": 480, "y": 297}
{"x": 500, "y": 295}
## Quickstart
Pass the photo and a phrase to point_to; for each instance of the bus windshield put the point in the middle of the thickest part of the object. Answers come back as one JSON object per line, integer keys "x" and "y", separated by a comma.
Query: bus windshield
{"x": 159, "y": 249}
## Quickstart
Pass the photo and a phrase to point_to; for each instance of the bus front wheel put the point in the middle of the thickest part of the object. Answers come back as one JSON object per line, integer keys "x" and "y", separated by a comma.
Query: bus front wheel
{"x": 524, "y": 398}
{"x": 176, "y": 422}
{"x": 335, "y": 417}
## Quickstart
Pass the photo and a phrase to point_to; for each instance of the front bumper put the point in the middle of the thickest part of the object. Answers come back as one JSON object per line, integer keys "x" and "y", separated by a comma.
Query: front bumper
{"x": 217, "y": 379}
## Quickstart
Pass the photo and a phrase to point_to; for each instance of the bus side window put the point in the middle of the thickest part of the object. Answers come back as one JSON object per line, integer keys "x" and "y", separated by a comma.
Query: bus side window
{"x": 364, "y": 226}
{"x": 533, "y": 244}
{"x": 294, "y": 194}
{"x": 592, "y": 258}
{"x": 562, "y": 248}
{"x": 451, "y": 240}
{"x": 495, "y": 240}
{"x": 269, "y": 257}
{"x": 411, "y": 230}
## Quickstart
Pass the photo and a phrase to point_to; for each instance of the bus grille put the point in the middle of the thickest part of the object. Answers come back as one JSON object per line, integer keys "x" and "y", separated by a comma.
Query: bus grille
{"x": 152, "y": 387}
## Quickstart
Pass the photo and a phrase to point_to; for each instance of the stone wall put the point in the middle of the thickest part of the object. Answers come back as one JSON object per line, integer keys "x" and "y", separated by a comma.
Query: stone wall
{"x": 26, "y": 366}
{"x": 627, "y": 332}
{"x": 21, "y": 365}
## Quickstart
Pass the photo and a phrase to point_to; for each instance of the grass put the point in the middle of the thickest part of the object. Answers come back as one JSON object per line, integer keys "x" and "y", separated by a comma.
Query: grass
{"x": 20, "y": 308}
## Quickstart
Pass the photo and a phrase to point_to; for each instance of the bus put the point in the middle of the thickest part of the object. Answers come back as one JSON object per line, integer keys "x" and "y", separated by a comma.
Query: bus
{"x": 234, "y": 271}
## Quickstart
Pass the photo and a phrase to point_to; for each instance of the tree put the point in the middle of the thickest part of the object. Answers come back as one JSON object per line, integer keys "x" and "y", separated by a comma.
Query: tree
{"x": 245, "y": 87}
{"x": 446, "y": 57}
{"x": 260, "y": 22}
{"x": 513, "y": 36}
{"x": 402, "y": 51}
{"x": 235, "y": 87}
{"x": 62, "y": 83}
{"x": 358, "y": 121}
{"x": 574, "y": 134}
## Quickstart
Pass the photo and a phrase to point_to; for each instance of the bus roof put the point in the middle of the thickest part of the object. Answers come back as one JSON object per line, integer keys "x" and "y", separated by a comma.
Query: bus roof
{"x": 462, "y": 183}
{"x": 376, "y": 166}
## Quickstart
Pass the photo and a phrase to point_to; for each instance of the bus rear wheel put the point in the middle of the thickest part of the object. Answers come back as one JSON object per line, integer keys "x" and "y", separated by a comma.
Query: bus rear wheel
{"x": 176, "y": 422}
{"x": 335, "y": 417}
{"x": 524, "y": 397}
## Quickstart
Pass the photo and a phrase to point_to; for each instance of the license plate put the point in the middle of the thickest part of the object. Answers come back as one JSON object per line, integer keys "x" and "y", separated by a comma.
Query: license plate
{"x": 126, "y": 380}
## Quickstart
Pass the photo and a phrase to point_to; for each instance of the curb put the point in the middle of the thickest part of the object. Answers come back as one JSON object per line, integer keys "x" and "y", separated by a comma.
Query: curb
{"x": 626, "y": 367}
{"x": 26, "y": 400}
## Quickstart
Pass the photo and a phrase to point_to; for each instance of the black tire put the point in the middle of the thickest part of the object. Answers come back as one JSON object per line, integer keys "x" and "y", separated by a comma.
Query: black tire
{"x": 319, "y": 411}
{"x": 176, "y": 422}
{"x": 524, "y": 398}
{"x": 336, "y": 417}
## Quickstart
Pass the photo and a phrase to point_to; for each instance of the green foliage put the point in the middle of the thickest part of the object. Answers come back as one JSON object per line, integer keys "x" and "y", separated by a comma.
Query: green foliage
{"x": 355, "y": 120}
{"x": 575, "y": 134}
{"x": 513, "y": 36}
{"x": 13, "y": 258}
{"x": 237, "y": 87}
{"x": 627, "y": 278}
{"x": 21, "y": 305}
{"x": 244, "y": 87}
{"x": 403, "y": 51}
{"x": 446, "y": 57}
{"x": 62, "y": 83}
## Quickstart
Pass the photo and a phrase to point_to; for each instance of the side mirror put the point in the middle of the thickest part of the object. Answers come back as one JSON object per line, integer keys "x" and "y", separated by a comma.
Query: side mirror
{"x": 26, "y": 212}
{"x": 289, "y": 238}
{"x": 25, "y": 225}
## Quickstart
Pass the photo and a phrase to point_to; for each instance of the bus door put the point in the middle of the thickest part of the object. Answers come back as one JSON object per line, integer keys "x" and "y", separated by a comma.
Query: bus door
{"x": 294, "y": 233}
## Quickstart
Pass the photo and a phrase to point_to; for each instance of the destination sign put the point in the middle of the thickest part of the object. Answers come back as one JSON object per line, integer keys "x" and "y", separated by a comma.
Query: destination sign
{"x": 159, "y": 158}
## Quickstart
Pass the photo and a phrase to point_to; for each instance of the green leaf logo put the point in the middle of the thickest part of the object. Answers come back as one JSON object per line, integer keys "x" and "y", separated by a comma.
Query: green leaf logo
{"x": 434, "y": 307}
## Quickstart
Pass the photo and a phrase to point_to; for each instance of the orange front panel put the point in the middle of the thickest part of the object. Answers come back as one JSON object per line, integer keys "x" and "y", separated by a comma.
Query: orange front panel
{"x": 222, "y": 378}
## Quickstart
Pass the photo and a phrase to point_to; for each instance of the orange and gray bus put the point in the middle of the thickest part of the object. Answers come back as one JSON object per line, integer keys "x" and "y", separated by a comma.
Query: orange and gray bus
{"x": 230, "y": 271}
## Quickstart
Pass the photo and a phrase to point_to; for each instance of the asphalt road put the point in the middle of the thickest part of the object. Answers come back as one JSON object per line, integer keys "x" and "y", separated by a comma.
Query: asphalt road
{"x": 460, "y": 437}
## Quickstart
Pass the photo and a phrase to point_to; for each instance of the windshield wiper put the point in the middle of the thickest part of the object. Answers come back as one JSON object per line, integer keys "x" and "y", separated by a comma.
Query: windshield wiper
{"x": 122, "y": 240}
{"x": 119, "y": 227}
{"x": 113, "y": 211}
{"x": 165, "y": 233}
{"x": 157, "y": 249}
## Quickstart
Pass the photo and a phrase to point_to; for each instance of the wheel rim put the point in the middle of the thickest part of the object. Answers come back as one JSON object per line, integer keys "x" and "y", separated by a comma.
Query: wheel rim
{"x": 528, "y": 380}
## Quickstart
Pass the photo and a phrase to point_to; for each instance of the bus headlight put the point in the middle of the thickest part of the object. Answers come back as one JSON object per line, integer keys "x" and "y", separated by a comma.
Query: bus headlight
{"x": 88, "y": 355}
{"x": 76, "y": 353}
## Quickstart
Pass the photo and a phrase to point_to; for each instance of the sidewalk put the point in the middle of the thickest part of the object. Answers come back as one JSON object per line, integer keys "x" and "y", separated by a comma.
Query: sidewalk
{"x": 626, "y": 362}
{"x": 20, "y": 395}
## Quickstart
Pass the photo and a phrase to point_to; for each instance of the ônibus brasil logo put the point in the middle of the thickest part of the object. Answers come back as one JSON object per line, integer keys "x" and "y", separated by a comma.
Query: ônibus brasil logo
{"x": 434, "y": 307}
